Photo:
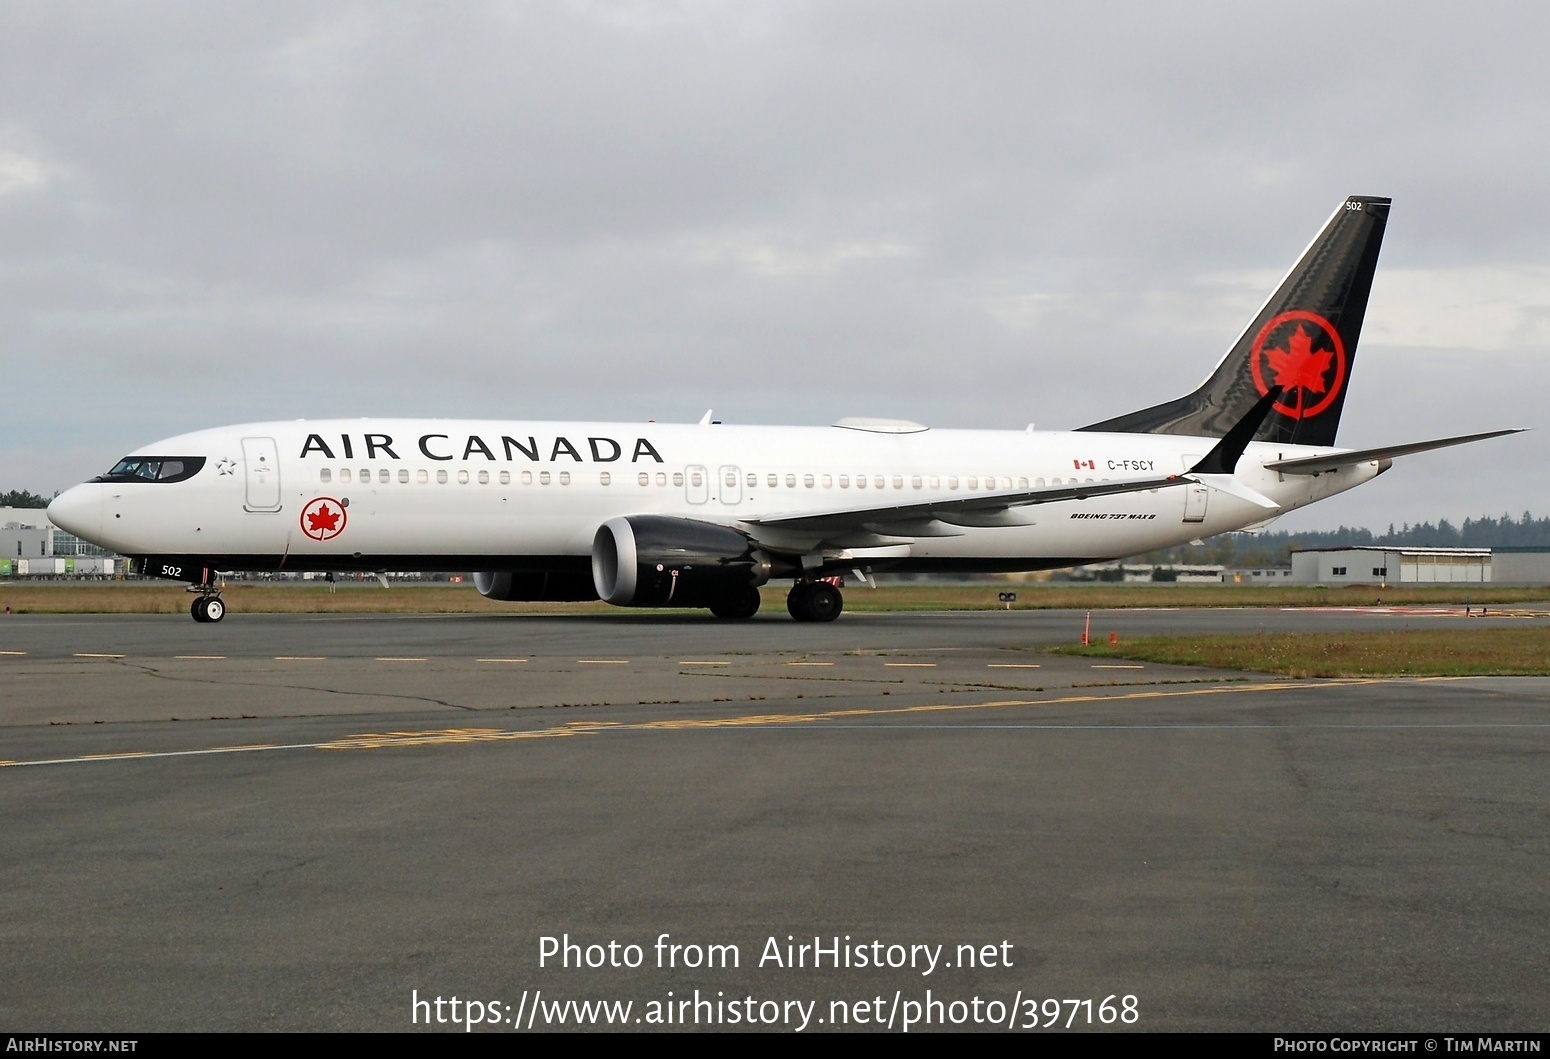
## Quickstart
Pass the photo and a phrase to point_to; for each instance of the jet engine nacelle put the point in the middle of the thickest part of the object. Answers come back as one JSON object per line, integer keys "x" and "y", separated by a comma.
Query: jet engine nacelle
{"x": 539, "y": 587}
{"x": 656, "y": 561}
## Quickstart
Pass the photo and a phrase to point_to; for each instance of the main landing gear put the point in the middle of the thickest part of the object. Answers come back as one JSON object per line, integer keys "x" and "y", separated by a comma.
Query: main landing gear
{"x": 815, "y": 600}
{"x": 738, "y": 605}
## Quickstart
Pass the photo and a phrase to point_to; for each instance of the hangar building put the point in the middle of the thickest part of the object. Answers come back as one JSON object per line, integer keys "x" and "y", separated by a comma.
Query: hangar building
{"x": 1369, "y": 565}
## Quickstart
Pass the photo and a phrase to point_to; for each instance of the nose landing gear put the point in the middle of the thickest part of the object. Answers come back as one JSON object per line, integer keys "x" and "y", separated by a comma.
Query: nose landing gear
{"x": 207, "y": 609}
{"x": 815, "y": 600}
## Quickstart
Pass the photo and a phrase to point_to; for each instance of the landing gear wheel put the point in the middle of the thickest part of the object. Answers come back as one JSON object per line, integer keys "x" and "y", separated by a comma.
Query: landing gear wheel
{"x": 208, "y": 609}
{"x": 739, "y": 605}
{"x": 815, "y": 601}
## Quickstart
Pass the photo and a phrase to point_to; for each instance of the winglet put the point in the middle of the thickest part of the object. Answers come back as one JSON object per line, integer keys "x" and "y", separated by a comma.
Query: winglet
{"x": 1223, "y": 459}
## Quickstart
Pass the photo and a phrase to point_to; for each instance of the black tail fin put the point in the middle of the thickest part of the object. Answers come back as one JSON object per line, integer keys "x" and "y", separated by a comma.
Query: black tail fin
{"x": 1303, "y": 340}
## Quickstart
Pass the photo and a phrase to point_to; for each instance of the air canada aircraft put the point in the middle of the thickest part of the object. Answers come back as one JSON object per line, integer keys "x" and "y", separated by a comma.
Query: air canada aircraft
{"x": 701, "y": 515}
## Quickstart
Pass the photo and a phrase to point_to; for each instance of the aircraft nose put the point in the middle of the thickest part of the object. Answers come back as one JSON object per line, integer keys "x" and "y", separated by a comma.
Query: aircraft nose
{"x": 78, "y": 511}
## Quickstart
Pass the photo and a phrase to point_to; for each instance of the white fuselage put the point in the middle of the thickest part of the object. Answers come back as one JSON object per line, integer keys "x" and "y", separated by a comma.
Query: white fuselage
{"x": 472, "y": 494}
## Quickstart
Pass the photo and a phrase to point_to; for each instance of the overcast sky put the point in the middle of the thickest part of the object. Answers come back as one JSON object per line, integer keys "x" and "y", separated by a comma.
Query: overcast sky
{"x": 969, "y": 214}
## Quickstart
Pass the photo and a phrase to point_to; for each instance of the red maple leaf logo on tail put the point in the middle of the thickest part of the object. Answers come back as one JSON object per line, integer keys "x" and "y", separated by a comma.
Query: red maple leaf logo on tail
{"x": 323, "y": 520}
{"x": 1298, "y": 366}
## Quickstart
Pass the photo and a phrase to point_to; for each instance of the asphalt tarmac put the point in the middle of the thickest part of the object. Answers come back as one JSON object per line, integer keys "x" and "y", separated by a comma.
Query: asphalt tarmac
{"x": 349, "y": 816}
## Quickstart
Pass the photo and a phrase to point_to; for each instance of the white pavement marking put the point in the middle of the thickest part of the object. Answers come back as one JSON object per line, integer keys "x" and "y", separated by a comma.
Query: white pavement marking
{"x": 201, "y": 658}
{"x": 1013, "y": 665}
{"x": 86, "y": 654}
{"x": 399, "y": 659}
{"x": 1117, "y": 667}
{"x": 500, "y": 660}
{"x": 809, "y": 663}
{"x": 301, "y": 658}
{"x": 602, "y": 661}
{"x": 911, "y": 665}
{"x": 13, "y": 654}
{"x": 687, "y": 662}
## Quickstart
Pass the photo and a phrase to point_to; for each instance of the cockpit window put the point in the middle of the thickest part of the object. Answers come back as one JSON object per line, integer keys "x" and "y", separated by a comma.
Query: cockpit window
{"x": 153, "y": 469}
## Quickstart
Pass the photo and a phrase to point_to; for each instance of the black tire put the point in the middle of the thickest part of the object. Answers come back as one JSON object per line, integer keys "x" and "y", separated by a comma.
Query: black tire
{"x": 824, "y": 602}
{"x": 797, "y": 602}
{"x": 196, "y": 610}
{"x": 738, "y": 605}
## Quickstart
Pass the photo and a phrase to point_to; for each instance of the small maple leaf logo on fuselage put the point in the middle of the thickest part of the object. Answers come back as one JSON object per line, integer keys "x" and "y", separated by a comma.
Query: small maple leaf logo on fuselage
{"x": 323, "y": 519}
{"x": 1310, "y": 378}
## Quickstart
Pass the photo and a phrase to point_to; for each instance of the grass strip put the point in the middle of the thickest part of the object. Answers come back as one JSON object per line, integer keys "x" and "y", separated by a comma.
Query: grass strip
{"x": 1404, "y": 652}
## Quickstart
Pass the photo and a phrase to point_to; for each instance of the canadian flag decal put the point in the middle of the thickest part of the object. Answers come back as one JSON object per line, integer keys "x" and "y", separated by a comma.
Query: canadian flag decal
{"x": 1084, "y": 465}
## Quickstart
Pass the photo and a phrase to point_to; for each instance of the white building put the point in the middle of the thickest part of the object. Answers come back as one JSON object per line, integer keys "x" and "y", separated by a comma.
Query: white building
{"x": 1520, "y": 566}
{"x": 1399, "y": 566}
{"x": 32, "y": 546}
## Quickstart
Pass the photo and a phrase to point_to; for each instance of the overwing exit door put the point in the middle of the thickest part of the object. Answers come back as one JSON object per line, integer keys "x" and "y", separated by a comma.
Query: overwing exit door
{"x": 731, "y": 491}
{"x": 696, "y": 484}
{"x": 261, "y": 464}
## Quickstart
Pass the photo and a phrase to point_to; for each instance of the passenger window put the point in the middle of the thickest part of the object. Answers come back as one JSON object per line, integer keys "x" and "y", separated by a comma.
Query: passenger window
{"x": 791, "y": 481}
{"x": 860, "y": 481}
{"x": 1039, "y": 483}
{"x": 936, "y": 483}
{"x": 505, "y": 478}
{"x": 844, "y": 481}
{"x": 879, "y": 481}
{"x": 1022, "y": 483}
{"x": 898, "y": 481}
{"x": 365, "y": 475}
{"x": 527, "y": 477}
{"x": 403, "y": 476}
{"x": 916, "y": 482}
{"x": 462, "y": 477}
{"x": 344, "y": 474}
{"x": 605, "y": 478}
{"x": 807, "y": 481}
{"x": 678, "y": 478}
{"x": 774, "y": 480}
{"x": 565, "y": 478}
{"x": 972, "y": 483}
{"x": 731, "y": 477}
{"x": 423, "y": 477}
{"x": 696, "y": 479}
{"x": 828, "y": 481}
{"x": 325, "y": 475}
{"x": 543, "y": 477}
{"x": 384, "y": 475}
{"x": 753, "y": 480}
{"x": 661, "y": 478}
{"x": 441, "y": 477}
{"x": 484, "y": 477}
{"x": 643, "y": 478}
{"x": 952, "y": 481}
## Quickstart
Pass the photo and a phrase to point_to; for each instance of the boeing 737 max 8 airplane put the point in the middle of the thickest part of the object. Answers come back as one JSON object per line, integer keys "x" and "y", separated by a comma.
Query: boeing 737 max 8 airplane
{"x": 658, "y": 515}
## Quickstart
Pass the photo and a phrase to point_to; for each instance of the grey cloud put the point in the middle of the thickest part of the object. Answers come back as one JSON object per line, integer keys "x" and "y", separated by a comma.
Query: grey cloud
{"x": 964, "y": 214}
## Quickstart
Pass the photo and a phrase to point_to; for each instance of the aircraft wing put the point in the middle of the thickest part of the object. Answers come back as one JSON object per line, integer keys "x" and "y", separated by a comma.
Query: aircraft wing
{"x": 927, "y": 517}
{"x": 1335, "y": 460}
{"x": 981, "y": 509}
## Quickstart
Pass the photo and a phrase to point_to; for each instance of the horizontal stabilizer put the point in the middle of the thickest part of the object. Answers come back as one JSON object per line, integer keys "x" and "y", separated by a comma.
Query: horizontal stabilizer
{"x": 1335, "y": 460}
